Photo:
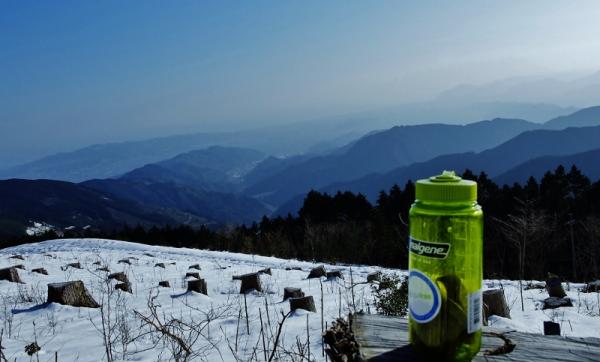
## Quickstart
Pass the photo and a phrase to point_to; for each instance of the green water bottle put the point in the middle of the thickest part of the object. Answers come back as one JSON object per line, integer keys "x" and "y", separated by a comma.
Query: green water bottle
{"x": 445, "y": 268}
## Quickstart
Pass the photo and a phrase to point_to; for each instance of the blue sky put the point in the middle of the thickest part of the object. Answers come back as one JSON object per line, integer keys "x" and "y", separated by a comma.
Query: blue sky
{"x": 78, "y": 72}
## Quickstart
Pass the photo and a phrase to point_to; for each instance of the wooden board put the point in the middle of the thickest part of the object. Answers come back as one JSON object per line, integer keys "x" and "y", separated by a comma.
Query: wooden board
{"x": 382, "y": 338}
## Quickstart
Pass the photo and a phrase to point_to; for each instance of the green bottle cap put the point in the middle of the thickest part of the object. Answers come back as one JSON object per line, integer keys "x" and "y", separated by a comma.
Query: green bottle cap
{"x": 446, "y": 187}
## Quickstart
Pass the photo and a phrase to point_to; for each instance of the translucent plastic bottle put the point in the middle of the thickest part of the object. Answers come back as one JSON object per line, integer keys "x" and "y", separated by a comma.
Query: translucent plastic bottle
{"x": 445, "y": 268}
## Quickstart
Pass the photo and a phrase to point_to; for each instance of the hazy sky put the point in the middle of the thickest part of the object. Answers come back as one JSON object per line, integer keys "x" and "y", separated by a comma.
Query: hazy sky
{"x": 77, "y": 72}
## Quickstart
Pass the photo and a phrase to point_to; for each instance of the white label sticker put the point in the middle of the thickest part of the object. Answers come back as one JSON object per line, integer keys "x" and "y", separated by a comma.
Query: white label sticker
{"x": 424, "y": 300}
{"x": 474, "y": 312}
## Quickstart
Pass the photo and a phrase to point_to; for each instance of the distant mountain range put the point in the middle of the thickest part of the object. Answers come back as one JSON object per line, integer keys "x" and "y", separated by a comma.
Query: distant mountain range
{"x": 216, "y": 168}
{"x": 220, "y": 185}
{"x": 504, "y": 161}
{"x": 383, "y": 151}
{"x": 579, "y": 92}
{"x": 67, "y": 205}
{"x": 115, "y": 159}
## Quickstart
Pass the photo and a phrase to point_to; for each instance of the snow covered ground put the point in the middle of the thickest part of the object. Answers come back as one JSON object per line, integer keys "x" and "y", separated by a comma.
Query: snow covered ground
{"x": 75, "y": 334}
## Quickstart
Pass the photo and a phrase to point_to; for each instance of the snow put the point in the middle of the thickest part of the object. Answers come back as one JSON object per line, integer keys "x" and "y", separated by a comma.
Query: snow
{"x": 73, "y": 334}
{"x": 38, "y": 228}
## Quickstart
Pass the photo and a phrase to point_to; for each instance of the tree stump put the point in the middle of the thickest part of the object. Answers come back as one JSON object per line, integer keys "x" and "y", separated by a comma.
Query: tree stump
{"x": 265, "y": 271}
{"x": 554, "y": 302}
{"x": 40, "y": 271}
{"x": 317, "y": 272}
{"x": 291, "y": 292}
{"x": 195, "y": 266}
{"x": 126, "y": 287}
{"x": 306, "y": 303}
{"x": 11, "y": 274}
{"x": 164, "y": 284}
{"x": 120, "y": 276}
{"x": 374, "y": 277}
{"x": 334, "y": 274}
{"x": 591, "y": 287}
{"x": 494, "y": 303}
{"x": 551, "y": 328}
{"x": 554, "y": 287}
{"x": 193, "y": 275}
{"x": 250, "y": 282}
{"x": 539, "y": 285}
{"x": 159, "y": 265}
{"x": 76, "y": 265}
{"x": 198, "y": 286}
{"x": 71, "y": 293}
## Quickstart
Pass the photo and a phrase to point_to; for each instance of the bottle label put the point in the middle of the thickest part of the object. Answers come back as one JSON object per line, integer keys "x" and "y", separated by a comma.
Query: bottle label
{"x": 475, "y": 321}
{"x": 431, "y": 250}
{"x": 424, "y": 300}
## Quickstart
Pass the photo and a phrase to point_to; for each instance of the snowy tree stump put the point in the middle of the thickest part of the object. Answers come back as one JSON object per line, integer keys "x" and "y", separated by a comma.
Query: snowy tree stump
{"x": 76, "y": 265}
{"x": 554, "y": 287}
{"x": 164, "y": 284}
{"x": 192, "y": 275}
{"x": 334, "y": 274}
{"x": 159, "y": 265}
{"x": 306, "y": 303}
{"x": 373, "y": 277}
{"x": 198, "y": 286}
{"x": 125, "y": 287}
{"x": 317, "y": 272}
{"x": 591, "y": 287}
{"x": 374, "y": 337}
{"x": 291, "y": 292}
{"x": 554, "y": 302}
{"x": 494, "y": 303}
{"x": 539, "y": 285}
{"x": 120, "y": 276}
{"x": 195, "y": 266}
{"x": 11, "y": 274}
{"x": 71, "y": 293}
{"x": 250, "y": 282}
{"x": 40, "y": 271}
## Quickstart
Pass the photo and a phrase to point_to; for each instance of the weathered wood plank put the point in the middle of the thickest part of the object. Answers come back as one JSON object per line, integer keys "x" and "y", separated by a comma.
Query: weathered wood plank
{"x": 384, "y": 339}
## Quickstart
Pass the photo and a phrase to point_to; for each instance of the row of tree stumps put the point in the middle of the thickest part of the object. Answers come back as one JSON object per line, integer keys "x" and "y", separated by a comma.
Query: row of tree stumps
{"x": 494, "y": 301}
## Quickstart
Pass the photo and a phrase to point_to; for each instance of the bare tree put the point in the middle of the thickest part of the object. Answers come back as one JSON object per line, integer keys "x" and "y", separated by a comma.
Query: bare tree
{"x": 522, "y": 229}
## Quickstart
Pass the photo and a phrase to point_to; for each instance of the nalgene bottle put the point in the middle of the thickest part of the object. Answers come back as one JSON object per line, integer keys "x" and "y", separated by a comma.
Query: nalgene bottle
{"x": 445, "y": 268}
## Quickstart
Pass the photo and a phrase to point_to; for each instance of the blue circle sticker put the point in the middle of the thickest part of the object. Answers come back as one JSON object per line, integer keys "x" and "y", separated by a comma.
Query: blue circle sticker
{"x": 424, "y": 299}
